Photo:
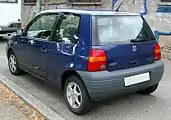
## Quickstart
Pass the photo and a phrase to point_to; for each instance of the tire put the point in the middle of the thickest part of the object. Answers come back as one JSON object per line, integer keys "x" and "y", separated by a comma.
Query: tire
{"x": 149, "y": 90}
{"x": 17, "y": 71}
{"x": 85, "y": 103}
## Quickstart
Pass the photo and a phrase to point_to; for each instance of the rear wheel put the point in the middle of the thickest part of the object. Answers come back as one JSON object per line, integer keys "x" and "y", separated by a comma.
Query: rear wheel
{"x": 13, "y": 64}
{"x": 149, "y": 90}
{"x": 76, "y": 96}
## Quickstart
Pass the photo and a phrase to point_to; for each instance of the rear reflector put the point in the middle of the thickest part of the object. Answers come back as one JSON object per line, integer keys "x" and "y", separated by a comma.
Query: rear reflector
{"x": 157, "y": 52}
{"x": 97, "y": 60}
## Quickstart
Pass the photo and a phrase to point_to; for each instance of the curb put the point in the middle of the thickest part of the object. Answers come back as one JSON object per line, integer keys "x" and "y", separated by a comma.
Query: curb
{"x": 31, "y": 100}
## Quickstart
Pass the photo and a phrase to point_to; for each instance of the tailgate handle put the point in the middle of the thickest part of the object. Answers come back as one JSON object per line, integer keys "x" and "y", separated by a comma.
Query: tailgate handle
{"x": 135, "y": 62}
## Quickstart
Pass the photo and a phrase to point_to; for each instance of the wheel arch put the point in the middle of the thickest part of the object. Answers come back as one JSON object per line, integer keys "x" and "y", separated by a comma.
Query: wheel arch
{"x": 67, "y": 74}
{"x": 9, "y": 51}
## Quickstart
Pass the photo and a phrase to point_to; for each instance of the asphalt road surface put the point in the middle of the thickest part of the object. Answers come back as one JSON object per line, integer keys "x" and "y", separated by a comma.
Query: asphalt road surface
{"x": 128, "y": 107}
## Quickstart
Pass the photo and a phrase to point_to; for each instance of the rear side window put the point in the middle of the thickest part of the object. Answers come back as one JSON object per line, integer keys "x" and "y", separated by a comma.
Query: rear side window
{"x": 122, "y": 28}
{"x": 68, "y": 29}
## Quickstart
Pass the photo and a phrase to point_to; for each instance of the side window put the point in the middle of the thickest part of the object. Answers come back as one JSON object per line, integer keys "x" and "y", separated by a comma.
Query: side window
{"x": 68, "y": 30}
{"x": 42, "y": 27}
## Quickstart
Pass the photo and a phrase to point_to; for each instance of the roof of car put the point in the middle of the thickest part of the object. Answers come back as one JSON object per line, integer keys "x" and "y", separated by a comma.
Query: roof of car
{"x": 88, "y": 11}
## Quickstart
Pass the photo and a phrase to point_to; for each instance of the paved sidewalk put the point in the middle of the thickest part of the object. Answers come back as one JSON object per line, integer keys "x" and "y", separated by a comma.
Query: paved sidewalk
{"x": 10, "y": 112}
{"x": 12, "y": 107}
{"x": 166, "y": 51}
{"x": 165, "y": 42}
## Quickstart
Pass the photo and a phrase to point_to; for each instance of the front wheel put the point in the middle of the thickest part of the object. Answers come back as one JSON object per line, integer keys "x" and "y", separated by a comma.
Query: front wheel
{"x": 13, "y": 64}
{"x": 76, "y": 96}
{"x": 149, "y": 90}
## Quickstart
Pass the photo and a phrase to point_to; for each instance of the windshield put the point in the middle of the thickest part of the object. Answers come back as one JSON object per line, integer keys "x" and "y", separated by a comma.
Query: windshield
{"x": 122, "y": 28}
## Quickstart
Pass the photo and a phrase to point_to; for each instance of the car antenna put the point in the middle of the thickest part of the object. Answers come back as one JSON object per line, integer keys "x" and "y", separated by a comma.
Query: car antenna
{"x": 119, "y": 6}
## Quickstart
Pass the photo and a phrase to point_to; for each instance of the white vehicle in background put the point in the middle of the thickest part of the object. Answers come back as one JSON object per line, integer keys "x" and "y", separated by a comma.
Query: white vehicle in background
{"x": 10, "y": 14}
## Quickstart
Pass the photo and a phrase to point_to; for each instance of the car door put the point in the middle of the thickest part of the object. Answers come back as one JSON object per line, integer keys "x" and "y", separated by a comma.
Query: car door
{"x": 23, "y": 43}
{"x": 36, "y": 42}
{"x": 61, "y": 49}
{"x": 21, "y": 51}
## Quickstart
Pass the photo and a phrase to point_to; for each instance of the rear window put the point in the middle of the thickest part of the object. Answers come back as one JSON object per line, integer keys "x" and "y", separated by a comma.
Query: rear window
{"x": 122, "y": 28}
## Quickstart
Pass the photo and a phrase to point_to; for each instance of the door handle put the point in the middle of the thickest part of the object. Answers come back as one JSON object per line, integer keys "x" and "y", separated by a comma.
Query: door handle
{"x": 133, "y": 62}
{"x": 31, "y": 42}
{"x": 43, "y": 50}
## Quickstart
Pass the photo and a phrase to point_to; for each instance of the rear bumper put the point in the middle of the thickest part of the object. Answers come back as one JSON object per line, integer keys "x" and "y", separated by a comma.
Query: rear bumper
{"x": 5, "y": 36}
{"x": 103, "y": 85}
{"x": 7, "y": 32}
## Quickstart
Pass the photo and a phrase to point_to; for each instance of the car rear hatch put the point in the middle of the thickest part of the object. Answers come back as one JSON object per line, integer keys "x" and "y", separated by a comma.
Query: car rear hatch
{"x": 127, "y": 40}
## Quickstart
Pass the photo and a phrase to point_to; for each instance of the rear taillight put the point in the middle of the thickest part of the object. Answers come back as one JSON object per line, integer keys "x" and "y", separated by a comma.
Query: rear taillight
{"x": 157, "y": 52}
{"x": 97, "y": 60}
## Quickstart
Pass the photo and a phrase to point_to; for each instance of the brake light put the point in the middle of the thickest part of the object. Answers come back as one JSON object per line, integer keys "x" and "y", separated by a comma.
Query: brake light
{"x": 97, "y": 60}
{"x": 157, "y": 52}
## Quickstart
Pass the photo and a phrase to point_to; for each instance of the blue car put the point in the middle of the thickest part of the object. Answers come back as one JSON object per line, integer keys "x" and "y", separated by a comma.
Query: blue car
{"x": 91, "y": 55}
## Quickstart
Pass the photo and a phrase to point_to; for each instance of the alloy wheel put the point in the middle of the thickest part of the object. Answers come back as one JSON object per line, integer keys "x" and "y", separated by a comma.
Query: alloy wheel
{"x": 74, "y": 95}
{"x": 12, "y": 63}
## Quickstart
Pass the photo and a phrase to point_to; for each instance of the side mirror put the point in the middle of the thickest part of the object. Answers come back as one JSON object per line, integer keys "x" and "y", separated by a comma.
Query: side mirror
{"x": 19, "y": 32}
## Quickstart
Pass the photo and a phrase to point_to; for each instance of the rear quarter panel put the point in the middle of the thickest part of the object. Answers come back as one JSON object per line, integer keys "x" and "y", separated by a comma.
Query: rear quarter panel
{"x": 84, "y": 44}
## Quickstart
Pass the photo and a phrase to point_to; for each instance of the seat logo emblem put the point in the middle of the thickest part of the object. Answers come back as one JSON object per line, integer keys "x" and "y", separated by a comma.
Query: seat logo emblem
{"x": 134, "y": 48}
